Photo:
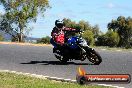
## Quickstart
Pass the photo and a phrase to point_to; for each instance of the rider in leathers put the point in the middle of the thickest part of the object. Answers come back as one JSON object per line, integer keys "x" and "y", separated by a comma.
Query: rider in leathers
{"x": 59, "y": 30}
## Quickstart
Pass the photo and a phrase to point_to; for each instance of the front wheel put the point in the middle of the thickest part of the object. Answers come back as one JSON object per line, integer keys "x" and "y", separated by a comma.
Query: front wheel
{"x": 94, "y": 57}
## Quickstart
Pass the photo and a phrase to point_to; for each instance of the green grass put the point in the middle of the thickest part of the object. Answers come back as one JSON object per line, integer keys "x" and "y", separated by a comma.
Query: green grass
{"x": 11, "y": 80}
{"x": 111, "y": 48}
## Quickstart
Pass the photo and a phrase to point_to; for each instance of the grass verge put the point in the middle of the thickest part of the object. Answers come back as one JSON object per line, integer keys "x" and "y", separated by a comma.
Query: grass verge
{"x": 111, "y": 48}
{"x": 11, "y": 80}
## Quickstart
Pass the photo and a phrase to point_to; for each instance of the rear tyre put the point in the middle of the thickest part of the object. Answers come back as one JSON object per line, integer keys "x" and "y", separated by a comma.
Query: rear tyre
{"x": 62, "y": 60}
{"x": 59, "y": 56}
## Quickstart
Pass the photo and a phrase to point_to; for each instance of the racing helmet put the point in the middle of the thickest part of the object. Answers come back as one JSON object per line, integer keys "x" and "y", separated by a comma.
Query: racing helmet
{"x": 59, "y": 24}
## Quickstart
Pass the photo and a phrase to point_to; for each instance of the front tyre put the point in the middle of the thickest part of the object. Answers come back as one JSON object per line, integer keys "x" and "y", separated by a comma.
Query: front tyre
{"x": 94, "y": 57}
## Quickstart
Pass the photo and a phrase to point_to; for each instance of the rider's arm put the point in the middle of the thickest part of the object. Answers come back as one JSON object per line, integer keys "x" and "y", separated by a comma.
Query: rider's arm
{"x": 69, "y": 29}
{"x": 54, "y": 34}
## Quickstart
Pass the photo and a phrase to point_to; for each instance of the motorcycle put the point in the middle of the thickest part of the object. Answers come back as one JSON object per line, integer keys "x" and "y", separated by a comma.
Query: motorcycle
{"x": 76, "y": 48}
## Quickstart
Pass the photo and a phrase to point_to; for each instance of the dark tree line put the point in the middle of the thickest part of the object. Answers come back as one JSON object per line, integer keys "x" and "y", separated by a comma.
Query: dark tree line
{"x": 90, "y": 32}
{"x": 1, "y": 38}
{"x": 123, "y": 26}
{"x": 119, "y": 33}
{"x": 110, "y": 38}
{"x": 44, "y": 40}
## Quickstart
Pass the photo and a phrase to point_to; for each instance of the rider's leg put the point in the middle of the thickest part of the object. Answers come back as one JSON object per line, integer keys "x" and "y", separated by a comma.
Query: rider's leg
{"x": 53, "y": 43}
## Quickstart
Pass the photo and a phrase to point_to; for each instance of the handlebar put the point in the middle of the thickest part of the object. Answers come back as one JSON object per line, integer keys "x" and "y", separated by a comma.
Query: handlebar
{"x": 77, "y": 31}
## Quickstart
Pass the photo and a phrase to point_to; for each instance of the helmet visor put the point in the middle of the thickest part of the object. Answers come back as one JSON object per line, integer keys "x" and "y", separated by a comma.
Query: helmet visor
{"x": 60, "y": 25}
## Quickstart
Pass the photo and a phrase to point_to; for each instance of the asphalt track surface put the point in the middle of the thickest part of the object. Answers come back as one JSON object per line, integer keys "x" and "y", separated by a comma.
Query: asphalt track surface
{"x": 40, "y": 60}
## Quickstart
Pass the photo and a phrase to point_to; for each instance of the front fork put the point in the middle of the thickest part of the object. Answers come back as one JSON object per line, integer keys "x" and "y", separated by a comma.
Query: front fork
{"x": 86, "y": 50}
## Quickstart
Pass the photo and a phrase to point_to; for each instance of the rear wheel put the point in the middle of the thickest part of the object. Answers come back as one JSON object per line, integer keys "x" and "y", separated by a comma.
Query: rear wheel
{"x": 58, "y": 55}
{"x": 62, "y": 60}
